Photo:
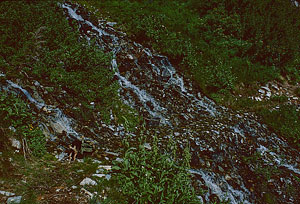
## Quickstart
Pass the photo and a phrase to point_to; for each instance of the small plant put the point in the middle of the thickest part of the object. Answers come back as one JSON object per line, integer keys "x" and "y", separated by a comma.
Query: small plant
{"x": 149, "y": 176}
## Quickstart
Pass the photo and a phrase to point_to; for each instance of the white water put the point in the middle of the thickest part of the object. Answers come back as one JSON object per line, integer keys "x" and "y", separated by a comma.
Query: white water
{"x": 277, "y": 159}
{"x": 162, "y": 69}
{"x": 220, "y": 187}
{"x": 57, "y": 120}
{"x": 163, "y": 65}
{"x": 144, "y": 97}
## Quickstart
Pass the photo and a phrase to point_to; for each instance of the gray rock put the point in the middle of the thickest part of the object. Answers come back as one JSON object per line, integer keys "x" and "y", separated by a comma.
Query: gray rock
{"x": 88, "y": 181}
{"x": 87, "y": 192}
{"x": 106, "y": 167}
{"x": 5, "y": 193}
{"x": 12, "y": 128}
{"x": 61, "y": 156}
{"x": 99, "y": 175}
{"x": 108, "y": 176}
{"x": 14, "y": 200}
{"x": 274, "y": 86}
{"x": 111, "y": 153}
{"x": 15, "y": 143}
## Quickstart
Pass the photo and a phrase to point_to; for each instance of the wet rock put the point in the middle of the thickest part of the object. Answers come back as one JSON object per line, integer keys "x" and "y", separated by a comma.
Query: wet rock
{"x": 200, "y": 199}
{"x": 5, "y": 193}
{"x": 147, "y": 146}
{"x": 14, "y": 200}
{"x": 257, "y": 98}
{"x": 266, "y": 88}
{"x": 166, "y": 75}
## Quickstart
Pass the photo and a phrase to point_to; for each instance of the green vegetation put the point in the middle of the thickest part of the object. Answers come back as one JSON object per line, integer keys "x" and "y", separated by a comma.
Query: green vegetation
{"x": 217, "y": 43}
{"x": 24, "y": 178}
{"x": 285, "y": 121}
{"x": 150, "y": 176}
{"x": 16, "y": 115}
{"x": 38, "y": 43}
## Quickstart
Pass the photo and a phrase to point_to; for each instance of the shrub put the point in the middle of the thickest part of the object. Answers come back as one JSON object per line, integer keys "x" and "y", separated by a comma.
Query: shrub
{"x": 148, "y": 176}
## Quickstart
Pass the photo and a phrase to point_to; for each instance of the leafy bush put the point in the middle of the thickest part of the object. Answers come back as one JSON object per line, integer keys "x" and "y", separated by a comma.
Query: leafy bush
{"x": 148, "y": 176}
{"x": 15, "y": 114}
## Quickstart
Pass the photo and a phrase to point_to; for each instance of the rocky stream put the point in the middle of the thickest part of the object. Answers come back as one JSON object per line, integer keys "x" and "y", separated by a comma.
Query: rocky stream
{"x": 234, "y": 156}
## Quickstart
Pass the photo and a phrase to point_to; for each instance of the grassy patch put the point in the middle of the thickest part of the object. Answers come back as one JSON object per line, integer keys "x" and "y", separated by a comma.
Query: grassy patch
{"x": 46, "y": 180}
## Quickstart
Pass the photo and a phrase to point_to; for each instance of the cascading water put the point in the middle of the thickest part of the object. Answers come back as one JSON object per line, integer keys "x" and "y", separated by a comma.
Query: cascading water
{"x": 58, "y": 121}
{"x": 222, "y": 141}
